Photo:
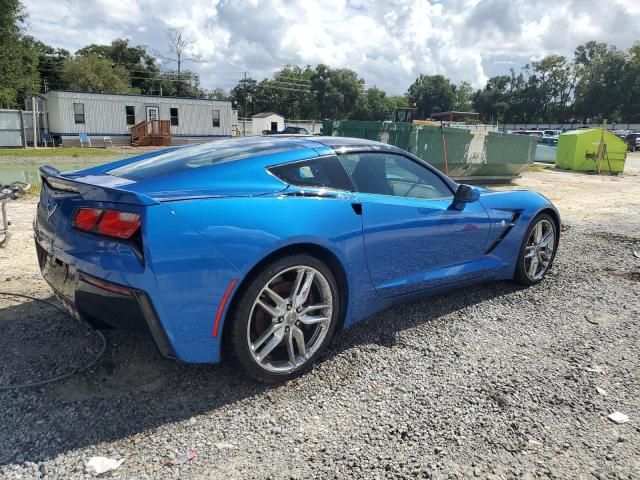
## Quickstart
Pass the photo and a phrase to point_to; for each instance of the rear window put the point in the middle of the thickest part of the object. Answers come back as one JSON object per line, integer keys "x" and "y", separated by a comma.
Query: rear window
{"x": 196, "y": 156}
{"x": 318, "y": 172}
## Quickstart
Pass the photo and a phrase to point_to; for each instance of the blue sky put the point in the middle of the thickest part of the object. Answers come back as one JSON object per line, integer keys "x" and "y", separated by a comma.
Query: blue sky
{"x": 387, "y": 42}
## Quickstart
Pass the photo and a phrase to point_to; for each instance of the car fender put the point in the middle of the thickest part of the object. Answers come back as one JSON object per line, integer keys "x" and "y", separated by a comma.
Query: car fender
{"x": 518, "y": 207}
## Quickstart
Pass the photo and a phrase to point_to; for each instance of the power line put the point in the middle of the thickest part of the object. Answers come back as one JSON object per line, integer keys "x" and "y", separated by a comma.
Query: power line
{"x": 287, "y": 84}
{"x": 293, "y": 80}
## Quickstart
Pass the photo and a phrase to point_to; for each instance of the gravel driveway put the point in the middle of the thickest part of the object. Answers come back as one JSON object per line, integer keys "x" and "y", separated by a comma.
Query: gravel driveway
{"x": 494, "y": 381}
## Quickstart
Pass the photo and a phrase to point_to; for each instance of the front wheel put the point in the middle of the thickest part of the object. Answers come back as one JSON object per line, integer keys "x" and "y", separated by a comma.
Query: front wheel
{"x": 284, "y": 318}
{"x": 537, "y": 251}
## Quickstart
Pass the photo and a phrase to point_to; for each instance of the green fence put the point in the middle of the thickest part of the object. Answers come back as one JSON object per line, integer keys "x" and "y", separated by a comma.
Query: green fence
{"x": 479, "y": 155}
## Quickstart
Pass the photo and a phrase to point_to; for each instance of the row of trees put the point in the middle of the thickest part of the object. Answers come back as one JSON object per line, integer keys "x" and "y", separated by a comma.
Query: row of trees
{"x": 600, "y": 81}
{"x": 320, "y": 92}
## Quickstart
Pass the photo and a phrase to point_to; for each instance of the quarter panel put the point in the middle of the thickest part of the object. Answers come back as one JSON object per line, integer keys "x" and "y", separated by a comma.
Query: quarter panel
{"x": 246, "y": 230}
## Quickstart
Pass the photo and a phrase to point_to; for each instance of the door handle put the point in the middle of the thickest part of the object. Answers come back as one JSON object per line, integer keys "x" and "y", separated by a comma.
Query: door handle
{"x": 357, "y": 208}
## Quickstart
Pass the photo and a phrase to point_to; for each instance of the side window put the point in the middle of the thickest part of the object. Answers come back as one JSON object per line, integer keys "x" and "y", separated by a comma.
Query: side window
{"x": 78, "y": 113}
{"x": 173, "y": 116}
{"x": 391, "y": 174}
{"x": 131, "y": 114}
{"x": 216, "y": 118}
{"x": 319, "y": 172}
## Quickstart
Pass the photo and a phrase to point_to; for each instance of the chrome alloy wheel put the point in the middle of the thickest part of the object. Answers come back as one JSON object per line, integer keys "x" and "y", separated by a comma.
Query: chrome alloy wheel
{"x": 539, "y": 250}
{"x": 290, "y": 319}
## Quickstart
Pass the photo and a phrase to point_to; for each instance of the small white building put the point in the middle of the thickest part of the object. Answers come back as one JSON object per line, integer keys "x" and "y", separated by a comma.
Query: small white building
{"x": 103, "y": 114}
{"x": 266, "y": 121}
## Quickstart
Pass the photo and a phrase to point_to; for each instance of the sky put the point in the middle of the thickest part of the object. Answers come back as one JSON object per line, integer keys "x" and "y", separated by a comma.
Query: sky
{"x": 388, "y": 42}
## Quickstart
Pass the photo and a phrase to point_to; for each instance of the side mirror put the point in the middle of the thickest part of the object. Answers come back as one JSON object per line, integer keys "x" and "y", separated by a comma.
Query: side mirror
{"x": 465, "y": 194}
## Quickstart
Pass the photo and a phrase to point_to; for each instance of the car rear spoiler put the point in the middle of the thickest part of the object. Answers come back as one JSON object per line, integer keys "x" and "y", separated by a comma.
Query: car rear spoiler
{"x": 100, "y": 188}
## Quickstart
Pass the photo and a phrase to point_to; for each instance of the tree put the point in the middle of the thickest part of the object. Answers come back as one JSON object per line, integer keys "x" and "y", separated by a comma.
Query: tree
{"x": 337, "y": 91}
{"x": 630, "y": 109}
{"x": 599, "y": 88}
{"x": 18, "y": 61}
{"x": 179, "y": 52}
{"x": 462, "y": 97}
{"x": 94, "y": 74}
{"x": 288, "y": 93}
{"x": 143, "y": 69}
{"x": 243, "y": 96}
{"x": 556, "y": 81}
{"x": 492, "y": 102}
{"x": 218, "y": 94}
{"x": 376, "y": 105}
{"x": 431, "y": 93}
{"x": 51, "y": 64}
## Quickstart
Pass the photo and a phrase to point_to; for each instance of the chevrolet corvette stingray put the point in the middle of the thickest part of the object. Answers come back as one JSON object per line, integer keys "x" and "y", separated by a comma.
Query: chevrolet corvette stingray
{"x": 257, "y": 249}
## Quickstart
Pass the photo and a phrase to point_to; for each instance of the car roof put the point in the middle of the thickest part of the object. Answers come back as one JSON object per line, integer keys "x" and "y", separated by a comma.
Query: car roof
{"x": 227, "y": 167}
{"x": 253, "y": 153}
{"x": 334, "y": 142}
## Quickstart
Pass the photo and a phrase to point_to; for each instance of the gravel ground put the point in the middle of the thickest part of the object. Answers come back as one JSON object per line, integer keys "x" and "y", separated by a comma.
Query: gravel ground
{"x": 493, "y": 381}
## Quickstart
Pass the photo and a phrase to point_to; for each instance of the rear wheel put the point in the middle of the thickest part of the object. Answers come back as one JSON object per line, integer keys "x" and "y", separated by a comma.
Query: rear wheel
{"x": 284, "y": 318}
{"x": 537, "y": 251}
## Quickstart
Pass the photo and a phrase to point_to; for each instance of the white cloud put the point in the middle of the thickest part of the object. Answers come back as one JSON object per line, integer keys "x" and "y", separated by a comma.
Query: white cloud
{"x": 388, "y": 43}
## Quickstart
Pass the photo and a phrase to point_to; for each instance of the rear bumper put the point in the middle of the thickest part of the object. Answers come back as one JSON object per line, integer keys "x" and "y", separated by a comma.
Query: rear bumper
{"x": 99, "y": 302}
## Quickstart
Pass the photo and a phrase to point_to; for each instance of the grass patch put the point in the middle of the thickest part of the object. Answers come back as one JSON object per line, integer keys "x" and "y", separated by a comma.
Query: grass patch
{"x": 34, "y": 191}
{"x": 74, "y": 152}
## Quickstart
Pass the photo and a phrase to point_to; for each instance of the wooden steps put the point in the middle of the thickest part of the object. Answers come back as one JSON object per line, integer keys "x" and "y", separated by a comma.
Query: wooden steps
{"x": 151, "y": 133}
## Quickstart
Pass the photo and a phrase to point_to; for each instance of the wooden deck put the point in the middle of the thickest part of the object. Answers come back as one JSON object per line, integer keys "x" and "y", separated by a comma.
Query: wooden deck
{"x": 151, "y": 132}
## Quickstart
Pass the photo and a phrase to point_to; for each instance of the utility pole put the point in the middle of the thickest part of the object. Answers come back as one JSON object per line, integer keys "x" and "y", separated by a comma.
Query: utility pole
{"x": 35, "y": 123}
{"x": 244, "y": 119}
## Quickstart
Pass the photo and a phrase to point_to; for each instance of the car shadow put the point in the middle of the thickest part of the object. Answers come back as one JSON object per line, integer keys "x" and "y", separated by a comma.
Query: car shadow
{"x": 132, "y": 389}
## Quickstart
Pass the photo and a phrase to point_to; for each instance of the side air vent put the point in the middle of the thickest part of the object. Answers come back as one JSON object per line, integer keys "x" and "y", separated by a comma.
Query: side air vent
{"x": 507, "y": 228}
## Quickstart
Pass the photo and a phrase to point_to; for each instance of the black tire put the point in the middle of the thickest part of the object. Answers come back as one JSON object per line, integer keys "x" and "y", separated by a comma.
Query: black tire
{"x": 521, "y": 275}
{"x": 237, "y": 332}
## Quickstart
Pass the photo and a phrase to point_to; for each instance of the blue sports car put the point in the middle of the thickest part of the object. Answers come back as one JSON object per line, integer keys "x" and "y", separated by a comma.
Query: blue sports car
{"x": 258, "y": 249}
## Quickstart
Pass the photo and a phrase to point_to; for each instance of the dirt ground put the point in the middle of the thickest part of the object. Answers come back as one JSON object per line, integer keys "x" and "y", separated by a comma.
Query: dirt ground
{"x": 492, "y": 381}
{"x": 581, "y": 196}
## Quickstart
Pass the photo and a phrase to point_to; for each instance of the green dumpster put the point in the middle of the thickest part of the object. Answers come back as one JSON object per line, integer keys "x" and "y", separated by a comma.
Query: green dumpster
{"x": 578, "y": 150}
{"x": 481, "y": 156}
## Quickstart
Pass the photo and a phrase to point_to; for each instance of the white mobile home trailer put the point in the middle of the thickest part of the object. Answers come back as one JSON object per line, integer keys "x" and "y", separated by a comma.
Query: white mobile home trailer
{"x": 112, "y": 115}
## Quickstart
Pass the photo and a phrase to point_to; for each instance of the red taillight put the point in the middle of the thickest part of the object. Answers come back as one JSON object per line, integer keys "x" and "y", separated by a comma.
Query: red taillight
{"x": 118, "y": 224}
{"x": 112, "y": 223}
{"x": 87, "y": 218}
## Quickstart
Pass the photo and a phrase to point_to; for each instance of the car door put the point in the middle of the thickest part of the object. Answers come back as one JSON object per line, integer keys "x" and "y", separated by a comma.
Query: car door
{"x": 413, "y": 240}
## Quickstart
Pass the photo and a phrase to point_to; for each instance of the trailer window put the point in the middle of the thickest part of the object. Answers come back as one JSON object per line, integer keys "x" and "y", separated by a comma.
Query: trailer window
{"x": 173, "y": 113}
{"x": 131, "y": 115}
{"x": 216, "y": 118}
{"x": 78, "y": 112}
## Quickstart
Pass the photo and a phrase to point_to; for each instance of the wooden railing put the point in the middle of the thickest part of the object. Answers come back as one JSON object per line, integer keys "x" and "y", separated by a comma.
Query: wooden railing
{"x": 151, "y": 132}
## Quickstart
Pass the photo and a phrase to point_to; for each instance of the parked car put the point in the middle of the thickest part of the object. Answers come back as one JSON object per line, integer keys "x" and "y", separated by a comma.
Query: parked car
{"x": 548, "y": 140}
{"x": 289, "y": 130}
{"x": 633, "y": 141}
{"x": 263, "y": 247}
{"x": 535, "y": 133}
{"x": 546, "y": 149}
